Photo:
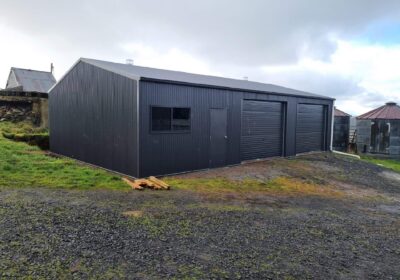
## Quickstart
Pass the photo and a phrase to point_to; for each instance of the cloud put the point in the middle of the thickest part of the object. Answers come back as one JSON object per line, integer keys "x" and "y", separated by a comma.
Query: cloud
{"x": 306, "y": 44}
{"x": 355, "y": 73}
{"x": 173, "y": 59}
{"x": 227, "y": 31}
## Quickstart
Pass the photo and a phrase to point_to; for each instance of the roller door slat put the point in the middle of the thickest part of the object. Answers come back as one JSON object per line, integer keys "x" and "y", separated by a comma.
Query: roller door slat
{"x": 262, "y": 124}
{"x": 310, "y": 130}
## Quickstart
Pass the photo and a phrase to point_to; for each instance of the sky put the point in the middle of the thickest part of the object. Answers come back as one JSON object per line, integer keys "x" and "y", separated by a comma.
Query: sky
{"x": 346, "y": 49}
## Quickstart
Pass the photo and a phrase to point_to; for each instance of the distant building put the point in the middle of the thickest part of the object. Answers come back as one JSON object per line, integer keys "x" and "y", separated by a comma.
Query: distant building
{"x": 378, "y": 131}
{"x": 25, "y": 97}
{"x": 30, "y": 80}
{"x": 341, "y": 130}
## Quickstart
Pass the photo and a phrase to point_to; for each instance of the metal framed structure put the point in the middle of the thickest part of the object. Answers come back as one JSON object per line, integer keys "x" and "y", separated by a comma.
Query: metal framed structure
{"x": 100, "y": 112}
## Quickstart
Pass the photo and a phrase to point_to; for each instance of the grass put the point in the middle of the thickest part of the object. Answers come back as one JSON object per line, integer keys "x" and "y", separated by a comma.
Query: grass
{"x": 388, "y": 163}
{"x": 279, "y": 185}
{"x": 22, "y": 165}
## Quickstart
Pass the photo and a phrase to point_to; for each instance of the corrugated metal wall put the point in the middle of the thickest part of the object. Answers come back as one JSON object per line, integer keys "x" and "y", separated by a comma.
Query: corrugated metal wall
{"x": 341, "y": 131}
{"x": 166, "y": 153}
{"x": 163, "y": 153}
{"x": 363, "y": 136}
{"x": 394, "y": 137}
{"x": 93, "y": 118}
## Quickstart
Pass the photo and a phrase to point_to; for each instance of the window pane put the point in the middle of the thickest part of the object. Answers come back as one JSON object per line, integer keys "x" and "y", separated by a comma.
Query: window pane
{"x": 181, "y": 119}
{"x": 160, "y": 119}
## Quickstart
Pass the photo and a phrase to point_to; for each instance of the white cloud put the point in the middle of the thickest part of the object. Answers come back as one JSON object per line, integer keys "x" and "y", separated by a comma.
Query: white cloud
{"x": 21, "y": 50}
{"x": 18, "y": 50}
{"x": 172, "y": 59}
{"x": 371, "y": 71}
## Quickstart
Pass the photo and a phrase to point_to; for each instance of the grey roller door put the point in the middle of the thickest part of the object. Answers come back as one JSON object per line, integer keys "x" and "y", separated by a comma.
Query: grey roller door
{"x": 310, "y": 130}
{"x": 262, "y": 126}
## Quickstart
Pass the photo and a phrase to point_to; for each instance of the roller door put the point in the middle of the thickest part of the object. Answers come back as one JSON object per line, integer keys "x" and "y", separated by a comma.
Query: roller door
{"x": 310, "y": 130}
{"x": 262, "y": 126}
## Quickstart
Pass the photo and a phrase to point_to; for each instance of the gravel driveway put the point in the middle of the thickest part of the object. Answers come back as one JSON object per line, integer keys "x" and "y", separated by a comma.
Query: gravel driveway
{"x": 64, "y": 234}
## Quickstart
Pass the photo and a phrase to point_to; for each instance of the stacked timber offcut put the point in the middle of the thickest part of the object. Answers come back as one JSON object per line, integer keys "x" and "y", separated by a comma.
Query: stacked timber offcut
{"x": 149, "y": 183}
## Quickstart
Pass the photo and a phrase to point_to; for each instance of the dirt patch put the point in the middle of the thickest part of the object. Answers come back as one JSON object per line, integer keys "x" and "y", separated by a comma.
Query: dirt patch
{"x": 393, "y": 209}
{"x": 262, "y": 170}
{"x": 356, "y": 191}
{"x": 391, "y": 176}
{"x": 134, "y": 214}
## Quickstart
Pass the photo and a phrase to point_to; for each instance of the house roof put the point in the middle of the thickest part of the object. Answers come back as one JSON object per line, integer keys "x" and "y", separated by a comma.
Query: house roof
{"x": 389, "y": 111}
{"x": 146, "y": 73}
{"x": 339, "y": 113}
{"x": 33, "y": 80}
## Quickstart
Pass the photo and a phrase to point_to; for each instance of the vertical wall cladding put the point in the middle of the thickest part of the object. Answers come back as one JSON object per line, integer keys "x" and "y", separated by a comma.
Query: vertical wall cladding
{"x": 341, "y": 133}
{"x": 363, "y": 136}
{"x": 394, "y": 148}
{"x": 167, "y": 153}
{"x": 93, "y": 118}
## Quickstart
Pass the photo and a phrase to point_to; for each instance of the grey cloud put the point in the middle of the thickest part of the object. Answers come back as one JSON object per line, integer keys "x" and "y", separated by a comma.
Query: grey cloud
{"x": 339, "y": 87}
{"x": 234, "y": 37}
{"x": 256, "y": 32}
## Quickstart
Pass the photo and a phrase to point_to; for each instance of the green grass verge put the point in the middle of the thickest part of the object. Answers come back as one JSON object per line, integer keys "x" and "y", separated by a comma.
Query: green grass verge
{"x": 388, "y": 163}
{"x": 22, "y": 165}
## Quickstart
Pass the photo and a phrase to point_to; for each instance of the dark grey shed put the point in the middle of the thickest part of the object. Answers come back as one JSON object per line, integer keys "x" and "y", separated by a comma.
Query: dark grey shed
{"x": 143, "y": 121}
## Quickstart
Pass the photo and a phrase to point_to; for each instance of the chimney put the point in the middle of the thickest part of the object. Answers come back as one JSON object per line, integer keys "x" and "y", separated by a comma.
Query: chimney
{"x": 129, "y": 61}
{"x": 51, "y": 68}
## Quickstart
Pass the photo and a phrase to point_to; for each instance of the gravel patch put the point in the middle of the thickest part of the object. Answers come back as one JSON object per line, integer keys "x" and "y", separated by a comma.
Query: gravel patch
{"x": 60, "y": 234}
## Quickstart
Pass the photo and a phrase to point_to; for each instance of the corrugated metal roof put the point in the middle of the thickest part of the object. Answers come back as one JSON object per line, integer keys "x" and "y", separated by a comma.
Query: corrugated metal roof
{"x": 138, "y": 72}
{"x": 32, "y": 80}
{"x": 339, "y": 113}
{"x": 389, "y": 111}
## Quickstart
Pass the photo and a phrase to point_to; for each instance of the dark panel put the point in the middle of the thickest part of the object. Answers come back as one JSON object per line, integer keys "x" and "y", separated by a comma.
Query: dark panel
{"x": 262, "y": 134}
{"x": 380, "y": 136}
{"x": 311, "y": 128}
{"x": 341, "y": 130}
{"x": 93, "y": 118}
{"x": 218, "y": 137}
{"x": 167, "y": 153}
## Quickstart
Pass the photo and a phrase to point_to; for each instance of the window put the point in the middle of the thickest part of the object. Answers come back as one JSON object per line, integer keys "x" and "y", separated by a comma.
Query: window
{"x": 160, "y": 119}
{"x": 181, "y": 119}
{"x": 165, "y": 119}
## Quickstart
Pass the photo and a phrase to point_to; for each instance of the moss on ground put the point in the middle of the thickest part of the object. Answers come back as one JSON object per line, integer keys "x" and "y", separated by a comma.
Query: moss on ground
{"x": 388, "y": 163}
{"x": 279, "y": 185}
{"x": 22, "y": 165}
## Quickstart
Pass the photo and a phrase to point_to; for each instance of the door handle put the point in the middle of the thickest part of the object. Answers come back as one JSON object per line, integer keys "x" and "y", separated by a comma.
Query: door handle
{"x": 226, "y": 137}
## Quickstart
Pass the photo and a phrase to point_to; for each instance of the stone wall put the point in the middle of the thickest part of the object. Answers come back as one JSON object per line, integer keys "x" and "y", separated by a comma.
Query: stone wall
{"x": 24, "y": 106}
